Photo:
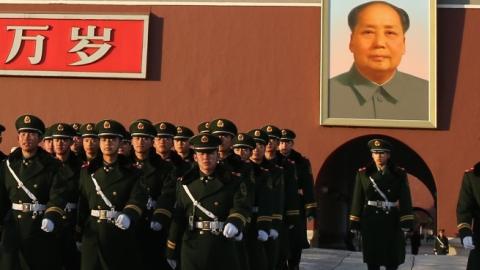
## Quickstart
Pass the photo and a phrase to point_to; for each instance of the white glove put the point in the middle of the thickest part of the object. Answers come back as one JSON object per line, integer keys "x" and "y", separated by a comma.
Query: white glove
{"x": 273, "y": 234}
{"x": 262, "y": 235}
{"x": 172, "y": 263}
{"x": 230, "y": 230}
{"x": 122, "y": 222}
{"x": 47, "y": 225}
{"x": 468, "y": 242}
{"x": 239, "y": 237}
{"x": 156, "y": 226}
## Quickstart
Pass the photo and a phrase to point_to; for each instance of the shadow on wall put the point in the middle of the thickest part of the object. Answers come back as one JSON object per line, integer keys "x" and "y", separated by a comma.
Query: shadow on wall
{"x": 336, "y": 179}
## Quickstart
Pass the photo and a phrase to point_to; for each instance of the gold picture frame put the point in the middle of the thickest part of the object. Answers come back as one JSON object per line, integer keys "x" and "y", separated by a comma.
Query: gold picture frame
{"x": 407, "y": 99}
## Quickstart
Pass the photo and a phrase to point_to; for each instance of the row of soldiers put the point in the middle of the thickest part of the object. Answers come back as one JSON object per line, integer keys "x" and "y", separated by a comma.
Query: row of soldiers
{"x": 127, "y": 200}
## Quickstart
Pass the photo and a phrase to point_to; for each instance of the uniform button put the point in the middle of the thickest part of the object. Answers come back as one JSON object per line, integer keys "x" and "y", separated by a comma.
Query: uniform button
{"x": 114, "y": 193}
{"x": 20, "y": 202}
{"x": 35, "y": 186}
{"x": 99, "y": 207}
{"x": 376, "y": 212}
{"x": 202, "y": 232}
{"x": 216, "y": 203}
{"x": 19, "y": 216}
{"x": 98, "y": 221}
{"x": 388, "y": 190}
{"x": 148, "y": 189}
{"x": 379, "y": 98}
{"x": 200, "y": 218}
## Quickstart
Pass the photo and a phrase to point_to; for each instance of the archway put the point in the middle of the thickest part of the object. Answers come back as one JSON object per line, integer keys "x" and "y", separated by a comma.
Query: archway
{"x": 336, "y": 179}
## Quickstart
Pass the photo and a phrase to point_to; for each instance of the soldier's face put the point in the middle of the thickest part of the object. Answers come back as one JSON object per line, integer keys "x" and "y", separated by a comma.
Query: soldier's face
{"x": 258, "y": 153}
{"x": 380, "y": 158}
{"x": 163, "y": 144}
{"x": 285, "y": 147}
{"x": 90, "y": 145}
{"x": 181, "y": 146}
{"x": 226, "y": 142}
{"x": 377, "y": 42}
{"x": 61, "y": 146}
{"x": 243, "y": 152}
{"x": 48, "y": 146}
{"x": 207, "y": 161}
{"x": 141, "y": 144}
{"x": 109, "y": 145}
{"x": 28, "y": 141}
{"x": 77, "y": 144}
{"x": 125, "y": 148}
{"x": 272, "y": 145}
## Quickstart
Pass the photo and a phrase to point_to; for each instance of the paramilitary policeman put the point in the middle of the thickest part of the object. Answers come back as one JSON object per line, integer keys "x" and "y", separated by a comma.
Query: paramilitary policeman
{"x": 181, "y": 144}
{"x": 258, "y": 228}
{"x": 308, "y": 205}
{"x": 76, "y": 147}
{"x": 2, "y": 155}
{"x": 291, "y": 204}
{"x": 90, "y": 141}
{"x": 62, "y": 134}
{"x": 159, "y": 182}
{"x": 382, "y": 209}
{"x": 111, "y": 201}
{"x": 31, "y": 208}
{"x": 163, "y": 144}
{"x": 210, "y": 214}
{"x": 47, "y": 142}
{"x": 468, "y": 215}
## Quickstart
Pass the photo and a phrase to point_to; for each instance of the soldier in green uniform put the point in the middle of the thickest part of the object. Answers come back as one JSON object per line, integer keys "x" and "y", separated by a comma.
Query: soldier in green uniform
{"x": 468, "y": 216}
{"x": 111, "y": 200}
{"x": 90, "y": 141}
{"x": 158, "y": 179}
{"x": 259, "y": 225}
{"x": 181, "y": 144}
{"x": 32, "y": 202}
{"x": 62, "y": 135}
{"x": 291, "y": 204}
{"x": 441, "y": 246}
{"x": 163, "y": 144}
{"x": 47, "y": 142}
{"x": 76, "y": 147}
{"x": 298, "y": 234}
{"x": 210, "y": 214}
{"x": 382, "y": 209}
{"x": 2, "y": 155}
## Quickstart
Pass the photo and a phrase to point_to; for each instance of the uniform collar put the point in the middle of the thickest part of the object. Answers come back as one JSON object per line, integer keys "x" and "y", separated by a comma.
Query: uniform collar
{"x": 365, "y": 89}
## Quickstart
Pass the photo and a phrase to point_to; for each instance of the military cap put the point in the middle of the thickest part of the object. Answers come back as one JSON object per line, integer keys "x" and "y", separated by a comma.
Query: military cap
{"x": 142, "y": 128}
{"x": 126, "y": 136}
{"x": 110, "y": 128}
{"x": 183, "y": 133}
{"x": 379, "y": 145}
{"x": 205, "y": 143}
{"x": 243, "y": 140}
{"x": 165, "y": 129}
{"x": 272, "y": 131}
{"x": 204, "y": 127}
{"x": 2, "y": 128}
{"x": 76, "y": 127}
{"x": 48, "y": 134}
{"x": 223, "y": 126}
{"x": 259, "y": 136}
{"x": 28, "y": 122}
{"x": 62, "y": 130}
{"x": 88, "y": 130}
{"x": 287, "y": 135}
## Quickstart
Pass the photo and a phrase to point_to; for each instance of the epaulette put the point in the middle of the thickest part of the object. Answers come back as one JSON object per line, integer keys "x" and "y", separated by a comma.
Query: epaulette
{"x": 236, "y": 174}
{"x": 264, "y": 169}
{"x": 85, "y": 164}
{"x": 292, "y": 161}
{"x": 278, "y": 166}
{"x": 401, "y": 168}
{"x": 179, "y": 179}
{"x": 362, "y": 169}
{"x": 469, "y": 170}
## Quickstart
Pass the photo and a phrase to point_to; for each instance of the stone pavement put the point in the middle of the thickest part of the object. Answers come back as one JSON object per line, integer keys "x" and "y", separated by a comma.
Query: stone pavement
{"x": 330, "y": 259}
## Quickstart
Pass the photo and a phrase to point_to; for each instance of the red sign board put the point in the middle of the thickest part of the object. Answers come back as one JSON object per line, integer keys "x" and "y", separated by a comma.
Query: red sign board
{"x": 74, "y": 45}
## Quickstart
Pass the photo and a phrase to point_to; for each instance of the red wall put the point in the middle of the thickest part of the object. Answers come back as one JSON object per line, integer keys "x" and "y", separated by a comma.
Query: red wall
{"x": 258, "y": 65}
